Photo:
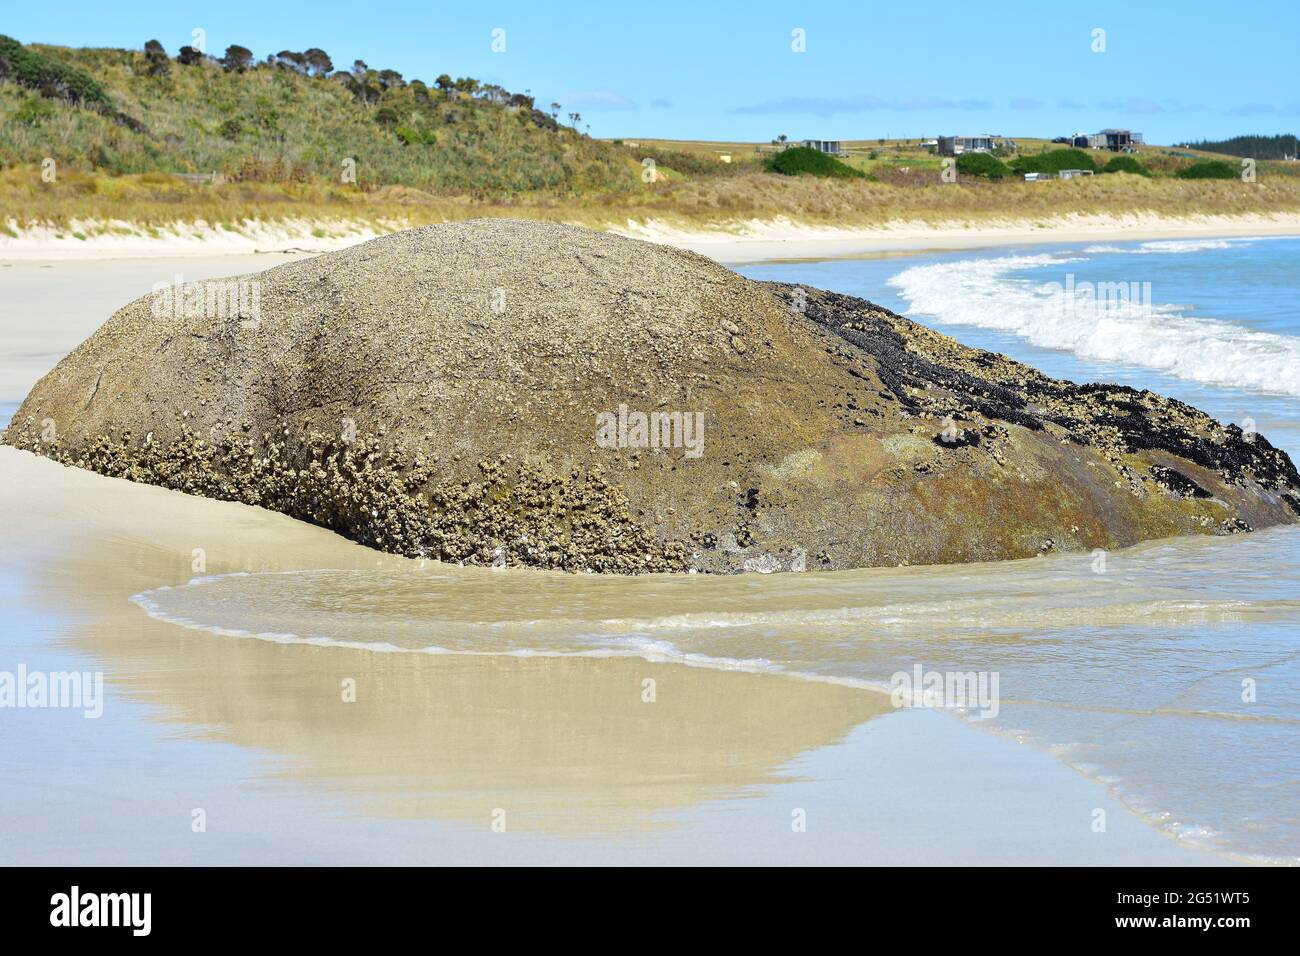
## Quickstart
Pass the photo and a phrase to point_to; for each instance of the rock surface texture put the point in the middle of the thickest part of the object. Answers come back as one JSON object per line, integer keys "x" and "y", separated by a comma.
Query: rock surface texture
{"x": 473, "y": 392}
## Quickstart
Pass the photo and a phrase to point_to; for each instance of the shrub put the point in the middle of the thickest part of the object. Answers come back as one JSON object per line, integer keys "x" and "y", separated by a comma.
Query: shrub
{"x": 1209, "y": 169}
{"x": 1125, "y": 164}
{"x": 982, "y": 164}
{"x": 414, "y": 137}
{"x": 1053, "y": 162}
{"x": 237, "y": 59}
{"x": 49, "y": 76}
{"x": 801, "y": 160}
{"x": 32, "y": 111}
{"x": 157, "y": 58}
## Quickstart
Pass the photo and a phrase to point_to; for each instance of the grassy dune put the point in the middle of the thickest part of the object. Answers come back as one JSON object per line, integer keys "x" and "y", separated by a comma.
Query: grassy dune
{"x": 275, "y": 139}
{"x": 150, "y": 201}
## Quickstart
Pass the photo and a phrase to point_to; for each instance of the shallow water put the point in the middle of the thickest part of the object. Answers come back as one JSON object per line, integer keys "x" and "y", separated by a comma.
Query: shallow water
{"x": 1132, "y": 673}
{"x": 1167, "y": 672}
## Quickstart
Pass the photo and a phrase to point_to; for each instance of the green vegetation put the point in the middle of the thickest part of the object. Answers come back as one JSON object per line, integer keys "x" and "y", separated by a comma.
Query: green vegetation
{"x": 1053, "y": 162}
{"x": 49, "y": 76}
{"x": 982, "y": 164}
{"x": 1125, "y": 164}
{"x": 1210, "y": 169}
{"x": 33, "y": 110}
{"x": 800, "y": 160}
{"x": 1251, "y": 147}
{"x": 231, "y": 139}
{"x": 290, "y": 118}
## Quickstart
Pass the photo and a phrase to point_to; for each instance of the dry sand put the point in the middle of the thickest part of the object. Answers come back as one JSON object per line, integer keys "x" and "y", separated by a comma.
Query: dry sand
{"x": 747, "y": 241}
{"x": 786, "y": 240}
{"x": 257, "y": 735}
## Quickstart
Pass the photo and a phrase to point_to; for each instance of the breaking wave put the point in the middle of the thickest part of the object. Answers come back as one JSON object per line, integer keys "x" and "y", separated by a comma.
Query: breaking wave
{"x": 987, "y": 293}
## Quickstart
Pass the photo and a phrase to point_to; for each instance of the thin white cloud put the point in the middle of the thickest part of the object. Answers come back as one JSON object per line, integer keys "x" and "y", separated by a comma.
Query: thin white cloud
{"x": 830, "y": 106}
{"x": 597, "y": 100}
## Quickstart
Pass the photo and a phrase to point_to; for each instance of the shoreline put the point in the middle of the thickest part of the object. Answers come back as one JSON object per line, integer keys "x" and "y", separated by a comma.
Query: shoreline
{"x": 789, "y": 241}
{"x": 741, "y": 242}
{"x": 254, "y": 731}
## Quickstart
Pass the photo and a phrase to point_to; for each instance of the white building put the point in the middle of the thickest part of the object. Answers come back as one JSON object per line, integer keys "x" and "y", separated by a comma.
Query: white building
{"x": 956, "y": 145}
{"x": 832, "y": 146}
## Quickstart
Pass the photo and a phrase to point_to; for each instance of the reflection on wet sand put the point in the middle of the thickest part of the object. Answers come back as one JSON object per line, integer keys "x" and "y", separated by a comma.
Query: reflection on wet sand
{"x": 570, "y": 745}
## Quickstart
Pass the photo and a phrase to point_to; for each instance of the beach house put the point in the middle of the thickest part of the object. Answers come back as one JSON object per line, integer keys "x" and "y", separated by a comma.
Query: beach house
{"x": 956, "y": 145}
{"x": 832, "y": 146}
{"x": 1116, "y": 140}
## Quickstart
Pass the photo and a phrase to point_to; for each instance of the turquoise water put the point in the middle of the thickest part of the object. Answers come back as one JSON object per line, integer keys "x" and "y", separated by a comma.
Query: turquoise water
{"x": 1149, "y": 703}
{"x": 1222, "y": 331}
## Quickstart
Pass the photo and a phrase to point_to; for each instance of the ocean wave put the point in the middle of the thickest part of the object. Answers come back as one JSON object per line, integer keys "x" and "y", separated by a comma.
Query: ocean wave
{"x": 601, "y": 646}
{"x": 1166, "y": 246}
{"x": 1120, "y": 328}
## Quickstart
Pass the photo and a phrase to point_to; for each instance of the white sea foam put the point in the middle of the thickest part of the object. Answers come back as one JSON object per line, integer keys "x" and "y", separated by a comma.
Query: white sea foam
{"x": 1170, "y": 246}
{"x": 983, "y": 292}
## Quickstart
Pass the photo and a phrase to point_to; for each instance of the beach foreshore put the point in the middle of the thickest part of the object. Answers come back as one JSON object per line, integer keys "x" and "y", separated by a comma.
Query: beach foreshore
{"x": 744, "y": 241}
{"x": 784, "y": 240}
{"x": 293, "y": 752}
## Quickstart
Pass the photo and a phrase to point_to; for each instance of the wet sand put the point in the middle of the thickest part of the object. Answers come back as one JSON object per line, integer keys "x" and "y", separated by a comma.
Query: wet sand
{"x": 440, "y": 751}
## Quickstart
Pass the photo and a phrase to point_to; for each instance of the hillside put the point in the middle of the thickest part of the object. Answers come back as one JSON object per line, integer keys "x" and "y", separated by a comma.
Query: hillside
{"x": 285, "y": 120}
{"x": 144, "y": 139}
{"x": 1280, "y": 146}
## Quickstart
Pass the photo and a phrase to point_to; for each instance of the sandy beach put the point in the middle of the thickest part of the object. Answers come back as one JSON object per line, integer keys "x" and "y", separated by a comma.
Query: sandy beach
{"x": 746, "y": 241}
{"x": 257, "y": 735}
{"x": 246, "y": 721}
{"x": 784, "y": 240}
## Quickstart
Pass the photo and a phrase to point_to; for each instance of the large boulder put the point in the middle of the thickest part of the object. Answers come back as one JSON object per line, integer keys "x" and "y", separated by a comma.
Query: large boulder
{"x": 477, "y": 392}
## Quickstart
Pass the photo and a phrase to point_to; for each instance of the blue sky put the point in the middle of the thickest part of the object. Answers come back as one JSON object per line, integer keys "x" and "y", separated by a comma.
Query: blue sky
{"x": 727, "y": 70}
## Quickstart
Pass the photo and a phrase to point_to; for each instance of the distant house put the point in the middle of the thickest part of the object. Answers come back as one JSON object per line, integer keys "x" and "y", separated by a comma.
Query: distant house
{"x": 832, "y": 146}
{"x": 1115, "y": 140}
{"x": 1037, "y": 177}
{"x": 956, "y": 145}
{"x": 930, "y": 144}
{"x": 1075, "y": 173}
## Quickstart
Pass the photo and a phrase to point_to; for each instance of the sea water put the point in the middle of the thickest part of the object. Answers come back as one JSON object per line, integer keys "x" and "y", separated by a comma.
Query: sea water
{"x": 1167, "y": 672}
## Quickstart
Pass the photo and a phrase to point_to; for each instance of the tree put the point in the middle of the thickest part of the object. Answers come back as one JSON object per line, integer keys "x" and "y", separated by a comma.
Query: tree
{"x": 575, "y": 119}
{"x": 156, "y": 55}
{"x": 444, "y": 83}
{"x": 238, "y": 58}
{"x": 188, "y": 56}
{"x": 294, "y": 61}
{"x": 555, "y": 110}
{"x": 318, "y": 61}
